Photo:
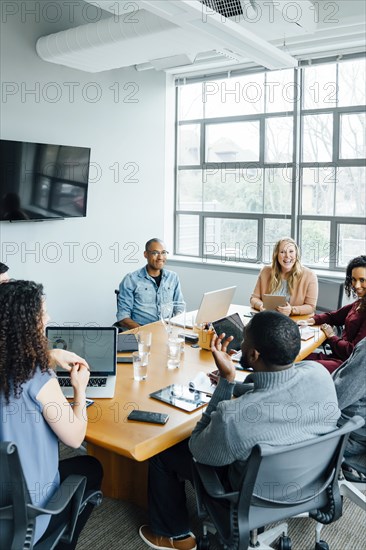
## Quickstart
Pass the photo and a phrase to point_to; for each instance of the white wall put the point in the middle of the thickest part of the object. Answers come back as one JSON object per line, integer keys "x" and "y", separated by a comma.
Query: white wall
{"x": 81, "y": 261}
{"x": 79, "y": 278}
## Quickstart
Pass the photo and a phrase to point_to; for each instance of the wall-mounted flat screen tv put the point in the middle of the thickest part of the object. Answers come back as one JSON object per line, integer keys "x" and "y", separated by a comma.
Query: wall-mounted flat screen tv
{"x": 40, "y": 181}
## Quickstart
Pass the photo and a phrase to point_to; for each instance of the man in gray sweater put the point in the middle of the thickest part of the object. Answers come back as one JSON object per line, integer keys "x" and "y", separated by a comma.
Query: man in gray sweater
{"x": 285, "y": 404}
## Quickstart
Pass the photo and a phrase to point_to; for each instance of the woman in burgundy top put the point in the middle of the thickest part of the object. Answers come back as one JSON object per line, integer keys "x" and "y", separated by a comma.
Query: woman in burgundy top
{"x": 352, "y": 317}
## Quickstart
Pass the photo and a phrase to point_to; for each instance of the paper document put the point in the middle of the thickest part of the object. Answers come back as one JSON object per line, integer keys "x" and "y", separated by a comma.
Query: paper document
{"x": 201, "y": 382}
{"x": 306, "y": 333}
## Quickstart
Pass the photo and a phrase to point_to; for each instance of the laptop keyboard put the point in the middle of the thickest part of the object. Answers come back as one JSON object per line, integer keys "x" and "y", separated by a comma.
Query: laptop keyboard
{"x": 95, "y": 382}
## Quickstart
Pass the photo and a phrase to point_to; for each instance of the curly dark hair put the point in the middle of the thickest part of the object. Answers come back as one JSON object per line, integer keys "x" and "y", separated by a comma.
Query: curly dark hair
{"x": 359, "y": 261}
{"x": 23, "y": 344}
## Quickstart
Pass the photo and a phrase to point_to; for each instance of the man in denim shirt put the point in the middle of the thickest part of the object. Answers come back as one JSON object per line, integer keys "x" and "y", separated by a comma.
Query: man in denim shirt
{"x": 142, "y": 292}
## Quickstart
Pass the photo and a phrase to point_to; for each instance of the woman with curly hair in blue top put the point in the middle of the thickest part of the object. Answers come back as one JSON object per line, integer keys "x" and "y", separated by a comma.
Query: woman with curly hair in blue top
{"x": 33, "y": 411}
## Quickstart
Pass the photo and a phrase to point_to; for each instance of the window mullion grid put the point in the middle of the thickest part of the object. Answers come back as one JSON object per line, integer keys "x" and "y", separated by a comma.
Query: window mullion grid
{"x": 298, "y": 166}
{"x": 296, "y": 175}
{"x": 175, "y": 224}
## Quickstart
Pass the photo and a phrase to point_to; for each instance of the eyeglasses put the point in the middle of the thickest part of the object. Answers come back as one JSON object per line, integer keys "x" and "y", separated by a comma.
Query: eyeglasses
{"x": 158, "y": 252}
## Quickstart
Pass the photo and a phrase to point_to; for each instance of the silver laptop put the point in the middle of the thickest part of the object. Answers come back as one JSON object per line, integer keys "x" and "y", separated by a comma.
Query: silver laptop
{"x": 98, "y": 345}
{"x": 214, "y": 305}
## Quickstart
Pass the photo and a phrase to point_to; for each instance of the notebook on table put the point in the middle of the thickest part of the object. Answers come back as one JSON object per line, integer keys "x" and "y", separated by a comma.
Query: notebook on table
{"x": 98, "y": 346}
{"x": 214, "y": 304}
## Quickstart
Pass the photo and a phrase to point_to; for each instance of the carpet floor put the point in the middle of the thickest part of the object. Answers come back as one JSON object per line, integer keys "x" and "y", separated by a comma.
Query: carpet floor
{"x": 114, "y": 526}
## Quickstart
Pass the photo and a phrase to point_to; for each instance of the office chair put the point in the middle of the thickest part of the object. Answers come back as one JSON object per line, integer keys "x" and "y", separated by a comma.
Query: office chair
{"x": 352, "y": 488}
{"x": 116, "y": 324}
{"x": 330, "y": 295}
{"x": 330, "y": 298}
{"x": 279, "y": 482}
{"x": 18, "y": 514}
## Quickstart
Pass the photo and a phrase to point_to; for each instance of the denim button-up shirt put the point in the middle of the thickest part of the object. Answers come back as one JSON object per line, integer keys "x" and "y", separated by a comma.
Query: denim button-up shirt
{"x": 140, "y": 298}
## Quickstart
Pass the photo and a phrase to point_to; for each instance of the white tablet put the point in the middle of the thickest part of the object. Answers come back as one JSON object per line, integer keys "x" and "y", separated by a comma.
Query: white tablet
{"x": 271, "y": 302}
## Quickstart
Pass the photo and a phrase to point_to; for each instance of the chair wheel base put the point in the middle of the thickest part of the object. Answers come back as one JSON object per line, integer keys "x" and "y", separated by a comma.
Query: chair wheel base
{"x": 321, "y": 545}
{"x": 284, "y": 543}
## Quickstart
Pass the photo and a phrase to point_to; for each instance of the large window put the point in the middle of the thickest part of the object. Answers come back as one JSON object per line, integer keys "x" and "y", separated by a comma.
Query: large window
{"x": 271, "y": 154}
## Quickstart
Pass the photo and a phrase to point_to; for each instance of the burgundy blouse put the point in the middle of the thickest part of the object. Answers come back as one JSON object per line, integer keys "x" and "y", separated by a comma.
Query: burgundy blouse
{"x": 354, "y": 321}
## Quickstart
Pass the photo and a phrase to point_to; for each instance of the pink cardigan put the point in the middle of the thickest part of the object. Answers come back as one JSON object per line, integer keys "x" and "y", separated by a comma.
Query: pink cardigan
{"x": 303, "y": 298}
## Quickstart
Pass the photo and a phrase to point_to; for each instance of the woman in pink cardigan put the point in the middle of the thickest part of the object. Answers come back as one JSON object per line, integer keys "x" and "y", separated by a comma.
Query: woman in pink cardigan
{"x": 287, "y": 277}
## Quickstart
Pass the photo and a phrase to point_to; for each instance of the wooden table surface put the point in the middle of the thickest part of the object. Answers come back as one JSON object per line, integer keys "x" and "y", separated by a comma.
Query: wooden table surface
{"x": 119, "y": 443}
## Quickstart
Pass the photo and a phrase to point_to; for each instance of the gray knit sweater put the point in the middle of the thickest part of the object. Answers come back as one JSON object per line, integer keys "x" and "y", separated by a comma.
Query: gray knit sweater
{"x": 350, "y": 383}
{"x": 281, "y": 408}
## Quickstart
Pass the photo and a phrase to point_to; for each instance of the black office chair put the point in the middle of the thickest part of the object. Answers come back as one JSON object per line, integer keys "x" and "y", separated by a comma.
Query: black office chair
{"x": 330, "y": 298}
{"x": 279, "y": 482}
{"x": 18, "y": 514}
{"x": 116, "y": 324}
{"x": 330, "y": 295}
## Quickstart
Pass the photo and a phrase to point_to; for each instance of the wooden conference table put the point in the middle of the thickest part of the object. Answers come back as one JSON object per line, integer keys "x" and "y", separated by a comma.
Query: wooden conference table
{"x": 122, "y": 446}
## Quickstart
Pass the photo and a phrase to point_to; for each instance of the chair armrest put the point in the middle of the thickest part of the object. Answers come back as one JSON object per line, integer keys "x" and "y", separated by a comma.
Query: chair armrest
{"x": 212, "y": 483}
{"x": 72, "y": 487}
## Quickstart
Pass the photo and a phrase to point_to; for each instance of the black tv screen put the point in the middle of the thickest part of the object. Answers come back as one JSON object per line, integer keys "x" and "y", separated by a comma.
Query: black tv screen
{"x": 40, "y": 181}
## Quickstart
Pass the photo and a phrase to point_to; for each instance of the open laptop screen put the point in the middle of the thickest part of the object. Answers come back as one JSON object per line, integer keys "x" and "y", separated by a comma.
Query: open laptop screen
{"x": 215, "y": 304}
{"x": 98, "y": 345}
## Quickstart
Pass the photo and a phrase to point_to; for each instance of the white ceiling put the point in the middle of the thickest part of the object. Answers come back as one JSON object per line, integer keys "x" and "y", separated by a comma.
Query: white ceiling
{"x": 185, "y": 36}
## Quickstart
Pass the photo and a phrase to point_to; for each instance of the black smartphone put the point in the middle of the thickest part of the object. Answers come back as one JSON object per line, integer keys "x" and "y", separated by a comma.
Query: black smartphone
{"x": 148, "y": 416}
{"x": 124, "y": 359}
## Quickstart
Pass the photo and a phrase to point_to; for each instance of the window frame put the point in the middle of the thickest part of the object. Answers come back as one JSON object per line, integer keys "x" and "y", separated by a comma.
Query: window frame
{"x": 297, "y": 165}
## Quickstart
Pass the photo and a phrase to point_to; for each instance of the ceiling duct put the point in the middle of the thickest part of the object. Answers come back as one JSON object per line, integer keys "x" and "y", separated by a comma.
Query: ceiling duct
{"x": 112, "y": 43}
{"x": 164, "y": 34}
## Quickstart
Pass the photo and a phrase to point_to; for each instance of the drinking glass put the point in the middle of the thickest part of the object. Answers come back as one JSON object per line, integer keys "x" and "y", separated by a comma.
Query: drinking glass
{"x": 140, "y": 361}
{"x": 174, "y": 352}
{"x": 144, "y": 341}
{"x": 173, "y": 316}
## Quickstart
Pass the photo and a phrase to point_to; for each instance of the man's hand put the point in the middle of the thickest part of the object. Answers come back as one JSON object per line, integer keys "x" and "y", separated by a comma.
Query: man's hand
{"x": 222, "y": 358}
{"x": 67, "y": 359}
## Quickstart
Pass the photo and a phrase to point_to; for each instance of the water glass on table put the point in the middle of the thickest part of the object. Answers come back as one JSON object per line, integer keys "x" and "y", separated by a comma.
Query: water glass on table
{"x": 174, "y": 352}
{"x": 173, "y": 317}
{"x": 144, "y": 341}
{"x": 140, "y": 362}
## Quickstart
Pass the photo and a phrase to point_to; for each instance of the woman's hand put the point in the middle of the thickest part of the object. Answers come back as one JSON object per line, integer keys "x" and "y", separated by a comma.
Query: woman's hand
{"x": 285, "y": 310}
{"x": 328, "y": 330}
{"x": 310, "y": 321}
{"x": 79, "y": 375}
{"x": 66, "y": 359}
